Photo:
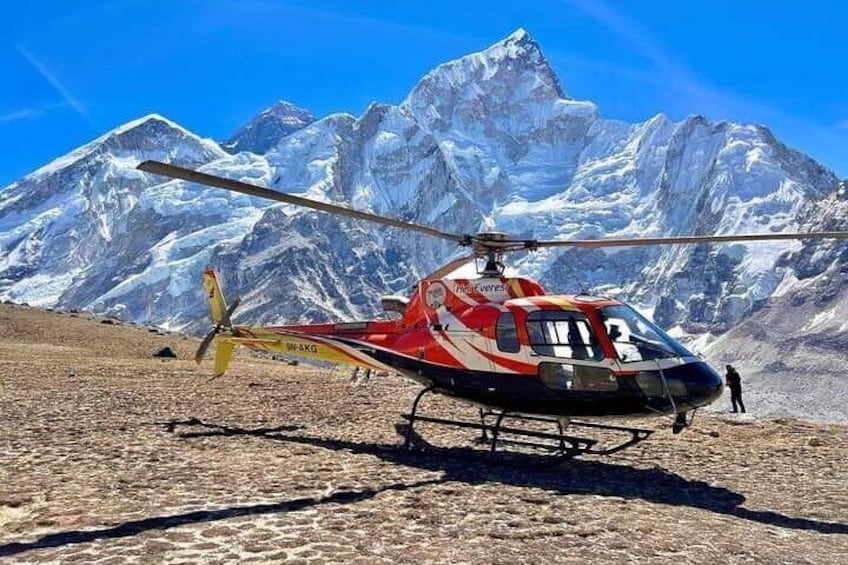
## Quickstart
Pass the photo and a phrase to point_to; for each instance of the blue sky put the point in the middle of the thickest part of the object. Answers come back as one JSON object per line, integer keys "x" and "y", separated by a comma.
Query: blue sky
{"x": 73, "y": 70}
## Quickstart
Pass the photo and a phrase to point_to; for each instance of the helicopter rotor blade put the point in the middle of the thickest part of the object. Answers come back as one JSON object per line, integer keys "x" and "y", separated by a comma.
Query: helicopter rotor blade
{"x": 678, "y": 240}
{"x": 182, "y": 173}
{"x": 450, "y": 267}
{"x": 204, "y": 345}
{"x": 482, "y": 245}
{"x": 227, "y": 321}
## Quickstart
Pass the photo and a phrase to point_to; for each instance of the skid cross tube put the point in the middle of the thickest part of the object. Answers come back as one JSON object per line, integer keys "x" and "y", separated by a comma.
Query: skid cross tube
{"x": 564, "y": 445}
{"x": 576, "y": 444}
{"x": 483, "y": 437}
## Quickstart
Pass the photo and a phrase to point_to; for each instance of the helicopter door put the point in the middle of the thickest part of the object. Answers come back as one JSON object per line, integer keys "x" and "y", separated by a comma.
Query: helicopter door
{"x": 466, "y": 346}
{"x": 506, "y": 342}
{"x": 572, "y": 356}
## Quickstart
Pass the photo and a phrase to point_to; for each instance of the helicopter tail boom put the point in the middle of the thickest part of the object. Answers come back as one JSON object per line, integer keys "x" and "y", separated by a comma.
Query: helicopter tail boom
{"x": 306, "y": 346}
{"x": 300, "y": 346}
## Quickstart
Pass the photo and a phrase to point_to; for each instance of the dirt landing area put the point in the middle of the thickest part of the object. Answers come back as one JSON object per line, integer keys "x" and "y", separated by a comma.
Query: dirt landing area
{"x": 109, "y": 455}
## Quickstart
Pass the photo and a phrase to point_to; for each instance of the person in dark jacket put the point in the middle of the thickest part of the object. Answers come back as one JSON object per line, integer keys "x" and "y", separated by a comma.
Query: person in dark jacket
{"x": 734, "y": 383}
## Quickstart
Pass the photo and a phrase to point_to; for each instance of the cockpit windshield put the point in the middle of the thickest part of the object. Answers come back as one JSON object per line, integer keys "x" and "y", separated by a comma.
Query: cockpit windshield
{"x": 637, "y": 339}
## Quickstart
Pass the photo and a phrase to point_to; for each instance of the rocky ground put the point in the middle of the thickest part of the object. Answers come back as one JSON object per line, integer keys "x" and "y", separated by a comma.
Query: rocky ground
{"x": 108, "y": 455}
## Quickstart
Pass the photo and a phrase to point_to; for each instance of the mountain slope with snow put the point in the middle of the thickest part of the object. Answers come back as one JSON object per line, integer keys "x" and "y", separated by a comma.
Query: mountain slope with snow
{"x": 489, "y": 141}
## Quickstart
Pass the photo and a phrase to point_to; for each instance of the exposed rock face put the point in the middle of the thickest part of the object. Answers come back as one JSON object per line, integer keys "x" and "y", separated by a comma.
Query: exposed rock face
{"x": 269, "y": 127}
{"x": 489, "y": 141}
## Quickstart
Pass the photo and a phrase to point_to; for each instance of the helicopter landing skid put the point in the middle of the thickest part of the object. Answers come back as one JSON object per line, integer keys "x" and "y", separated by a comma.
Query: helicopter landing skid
{"x": 564, "y": 446}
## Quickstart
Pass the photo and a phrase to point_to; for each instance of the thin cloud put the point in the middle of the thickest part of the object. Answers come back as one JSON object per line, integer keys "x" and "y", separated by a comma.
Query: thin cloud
{"x": 17, "y": 115}
{"x": 681, "y": 78}
{"x": 842, "y": 126}
{"x": 572, "y": 61}
{"x": 272, "y": 10}
{"x": 28, "y": 113}
{"x": 54, "y": 82}
{"x": 633, "y": 34}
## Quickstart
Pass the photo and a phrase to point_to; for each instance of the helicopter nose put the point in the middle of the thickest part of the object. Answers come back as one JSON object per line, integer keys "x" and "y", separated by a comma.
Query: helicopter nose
{"x": 703, "y": 384}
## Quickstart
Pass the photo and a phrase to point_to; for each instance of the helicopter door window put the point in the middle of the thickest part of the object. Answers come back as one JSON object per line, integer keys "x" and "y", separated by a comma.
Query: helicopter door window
{"x": 582, "y": 378}
{"x": 506, "y": 334}
{"x": 562, "y": 334}
{"x": 557, "y": 376}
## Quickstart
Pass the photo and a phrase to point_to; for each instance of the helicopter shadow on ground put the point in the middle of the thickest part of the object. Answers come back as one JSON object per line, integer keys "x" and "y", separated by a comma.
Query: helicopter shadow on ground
{"x": 467, "y": 465}
{"x": 162, "y": 523}
{"x": 578, "y": 476}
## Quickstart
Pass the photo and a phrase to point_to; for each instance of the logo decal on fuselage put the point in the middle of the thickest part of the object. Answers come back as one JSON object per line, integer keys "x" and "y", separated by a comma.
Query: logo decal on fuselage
{"x": 482, "y": 288}
{"x": 436, "y": 294}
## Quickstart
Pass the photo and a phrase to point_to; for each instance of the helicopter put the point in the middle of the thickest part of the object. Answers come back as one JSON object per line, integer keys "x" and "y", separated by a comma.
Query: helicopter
{"x": 501, "y": 343}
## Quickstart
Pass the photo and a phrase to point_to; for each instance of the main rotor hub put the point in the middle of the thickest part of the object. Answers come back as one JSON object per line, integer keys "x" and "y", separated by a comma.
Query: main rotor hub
{"x": 490, "y": 246}
{"x": 492, "y": 236}
{"x": 487, "y": 242}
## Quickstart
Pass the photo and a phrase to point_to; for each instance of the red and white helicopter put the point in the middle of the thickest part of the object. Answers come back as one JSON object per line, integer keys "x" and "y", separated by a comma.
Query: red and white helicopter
{"x": 499, "y": 342}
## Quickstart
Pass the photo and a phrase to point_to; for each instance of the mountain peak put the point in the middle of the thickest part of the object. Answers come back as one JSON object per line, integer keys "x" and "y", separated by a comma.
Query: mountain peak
{"x": 268, "y": 127}
{"x": 132, "y": 124}
{"x": 512, "y": 72}
{"x": 519, "y": 34}
{"x": 519, "y": 39}
{"x": 286, "y": 108}
{"x": 126, "y": 138}
{"x": 518, "y": 46}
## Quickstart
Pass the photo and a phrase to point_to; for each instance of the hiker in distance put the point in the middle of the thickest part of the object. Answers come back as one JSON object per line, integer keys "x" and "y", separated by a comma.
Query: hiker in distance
{"x": 734, "y": 383}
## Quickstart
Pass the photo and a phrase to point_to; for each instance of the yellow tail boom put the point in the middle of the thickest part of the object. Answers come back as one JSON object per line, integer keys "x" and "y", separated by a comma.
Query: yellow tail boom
{"x": 277, "y": 340}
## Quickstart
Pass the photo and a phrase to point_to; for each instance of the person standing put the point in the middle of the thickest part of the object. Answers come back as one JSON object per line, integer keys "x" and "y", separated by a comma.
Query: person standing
{"x": 734, "y": 383}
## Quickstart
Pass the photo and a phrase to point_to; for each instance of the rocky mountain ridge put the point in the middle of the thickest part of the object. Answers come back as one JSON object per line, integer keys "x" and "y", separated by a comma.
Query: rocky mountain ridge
{"x": 488, "y": 141}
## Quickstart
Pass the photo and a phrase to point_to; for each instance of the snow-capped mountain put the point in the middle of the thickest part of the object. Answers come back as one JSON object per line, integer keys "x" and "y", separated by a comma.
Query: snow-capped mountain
{"x": 488, "y": 141}
{"x": 67, "y": 231}
{"x": 269, "y": 127}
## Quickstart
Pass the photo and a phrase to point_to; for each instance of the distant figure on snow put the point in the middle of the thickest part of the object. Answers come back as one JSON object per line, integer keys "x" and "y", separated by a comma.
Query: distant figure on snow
{"x": 734, "y": 383}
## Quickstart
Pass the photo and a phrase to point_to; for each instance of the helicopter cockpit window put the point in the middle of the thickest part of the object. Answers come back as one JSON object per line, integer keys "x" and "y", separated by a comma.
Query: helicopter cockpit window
{"x": 506, "y": 334}
{"x": 562, "y": 334}
{"x": 637, "y": 339}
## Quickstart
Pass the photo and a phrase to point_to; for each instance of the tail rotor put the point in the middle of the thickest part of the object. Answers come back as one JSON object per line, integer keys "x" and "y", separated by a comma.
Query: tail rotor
{"x": 221, "y": 318}
{"x": 225, "y": 324}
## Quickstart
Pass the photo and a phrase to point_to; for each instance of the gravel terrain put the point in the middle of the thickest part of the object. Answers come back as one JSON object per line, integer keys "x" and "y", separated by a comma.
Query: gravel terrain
{"x": 108, "y": 455}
